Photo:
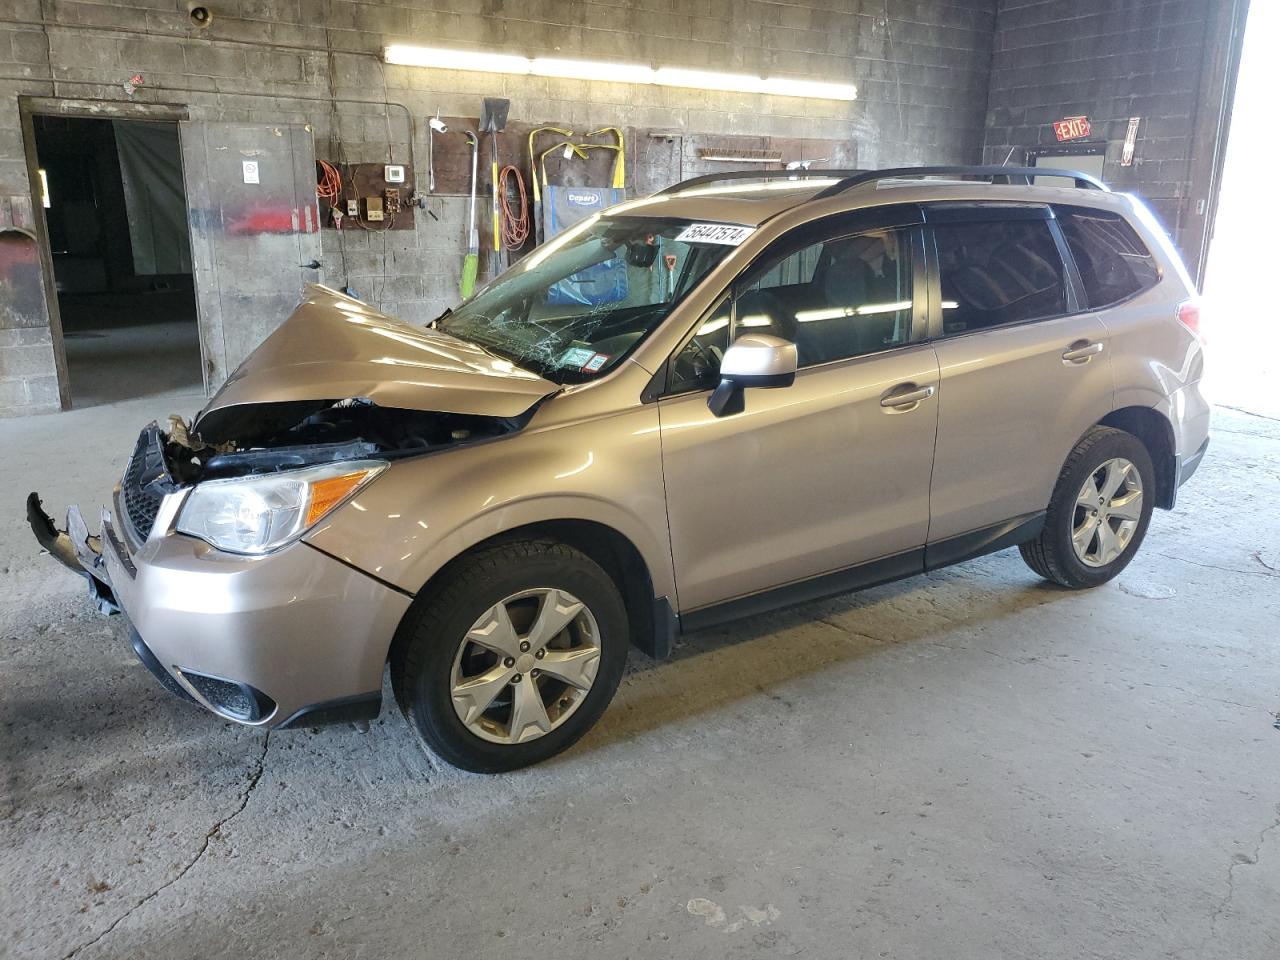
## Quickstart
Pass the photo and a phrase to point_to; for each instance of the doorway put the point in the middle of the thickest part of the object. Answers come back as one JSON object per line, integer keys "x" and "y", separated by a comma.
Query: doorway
{"x": 1242, "y": 338}
{"x": 116, "y": 215}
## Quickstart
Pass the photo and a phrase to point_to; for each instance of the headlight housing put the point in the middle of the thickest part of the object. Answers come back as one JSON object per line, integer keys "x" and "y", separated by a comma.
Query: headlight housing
{"x": 257, "y": 514}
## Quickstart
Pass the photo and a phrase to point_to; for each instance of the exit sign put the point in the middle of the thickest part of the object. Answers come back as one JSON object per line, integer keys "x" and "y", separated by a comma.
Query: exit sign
{"x": 1072, "y": 128}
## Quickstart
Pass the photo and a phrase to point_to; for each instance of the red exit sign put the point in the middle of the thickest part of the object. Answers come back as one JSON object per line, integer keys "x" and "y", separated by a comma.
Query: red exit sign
{"x": 1072, "y": 128}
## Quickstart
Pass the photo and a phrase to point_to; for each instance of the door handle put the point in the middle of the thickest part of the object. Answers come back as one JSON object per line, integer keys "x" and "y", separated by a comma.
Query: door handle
{"x": 1080, "y": 352}
{"x": 908, "y": 398}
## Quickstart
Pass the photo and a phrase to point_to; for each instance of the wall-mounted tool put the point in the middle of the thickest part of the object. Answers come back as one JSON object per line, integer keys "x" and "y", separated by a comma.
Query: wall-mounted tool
{"x": 434, "y": 125}
{"x": 471, "y": 260}
{"x": 493, "y": 120}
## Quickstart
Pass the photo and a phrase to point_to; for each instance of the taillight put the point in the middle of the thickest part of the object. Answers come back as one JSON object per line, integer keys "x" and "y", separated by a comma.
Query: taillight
{"x": 1189, "y": 316}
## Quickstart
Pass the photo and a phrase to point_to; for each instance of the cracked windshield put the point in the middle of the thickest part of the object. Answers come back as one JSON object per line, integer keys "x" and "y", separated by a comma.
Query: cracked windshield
{"x": 574, "y": 309}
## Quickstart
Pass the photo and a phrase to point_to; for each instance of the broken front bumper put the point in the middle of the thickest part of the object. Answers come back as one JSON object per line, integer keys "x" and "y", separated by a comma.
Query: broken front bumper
{"x": 292, "y": 638}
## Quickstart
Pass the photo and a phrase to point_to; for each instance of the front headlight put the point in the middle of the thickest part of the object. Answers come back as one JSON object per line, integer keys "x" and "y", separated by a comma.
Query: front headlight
{"x": 259, "y": 514}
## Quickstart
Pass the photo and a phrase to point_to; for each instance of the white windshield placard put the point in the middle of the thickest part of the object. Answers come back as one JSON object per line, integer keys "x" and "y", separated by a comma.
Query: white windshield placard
{"x": 715, "y": 233}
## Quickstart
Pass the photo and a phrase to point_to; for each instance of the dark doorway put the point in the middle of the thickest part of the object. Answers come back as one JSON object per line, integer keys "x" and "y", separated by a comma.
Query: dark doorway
{"x": 117, "y": 224}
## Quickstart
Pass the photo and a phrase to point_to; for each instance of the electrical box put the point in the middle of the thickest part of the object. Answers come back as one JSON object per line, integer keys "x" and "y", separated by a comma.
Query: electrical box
{"x": 373, "y": 209}
{"x": 381, "y": 195}
{"x": 391, "y": 201}
{"x": 393, "y": 173}
{"x": 353, "y": 208}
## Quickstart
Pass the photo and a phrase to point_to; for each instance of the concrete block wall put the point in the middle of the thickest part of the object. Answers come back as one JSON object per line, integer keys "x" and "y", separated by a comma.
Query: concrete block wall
{"x": 1108, "y": 60}
{"x": 921, "y": 66}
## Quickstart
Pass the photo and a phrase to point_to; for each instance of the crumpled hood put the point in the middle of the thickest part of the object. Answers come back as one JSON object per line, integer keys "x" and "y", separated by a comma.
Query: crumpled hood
{"x": 337, "y": 348}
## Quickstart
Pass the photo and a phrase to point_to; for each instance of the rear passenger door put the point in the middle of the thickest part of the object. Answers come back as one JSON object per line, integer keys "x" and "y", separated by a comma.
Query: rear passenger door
{"x": 1024, "y": 370}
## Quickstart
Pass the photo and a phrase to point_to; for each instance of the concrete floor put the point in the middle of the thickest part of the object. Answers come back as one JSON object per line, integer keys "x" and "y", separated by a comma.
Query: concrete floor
{"x": 970, "y": 764}
{"x": 113, "y": 363}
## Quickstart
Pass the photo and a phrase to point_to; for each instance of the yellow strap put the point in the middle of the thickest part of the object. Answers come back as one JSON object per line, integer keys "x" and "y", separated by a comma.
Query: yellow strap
{"x": 620, "y": 164}
{"x": 542, "y": 160}
{"x": 537, "y": 190}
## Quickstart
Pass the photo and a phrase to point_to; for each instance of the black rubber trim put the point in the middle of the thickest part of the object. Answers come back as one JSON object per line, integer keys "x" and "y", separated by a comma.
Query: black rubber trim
{"x": 870, "y": 574}
{"x": 362, "y": 706}
{"x": 666, "y": 628}
{"x": 153, "y": 667}
{"x": 978, "y": 543}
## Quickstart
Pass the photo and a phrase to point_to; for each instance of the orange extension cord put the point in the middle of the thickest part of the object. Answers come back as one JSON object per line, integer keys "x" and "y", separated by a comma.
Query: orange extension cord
{"x": 329, "y": 186}
{"x": 515, "y": 226}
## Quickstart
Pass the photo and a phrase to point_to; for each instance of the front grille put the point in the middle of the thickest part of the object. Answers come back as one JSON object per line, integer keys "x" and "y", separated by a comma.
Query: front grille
{"x": 146, "y": 481}
{"x": 141, "y": 506}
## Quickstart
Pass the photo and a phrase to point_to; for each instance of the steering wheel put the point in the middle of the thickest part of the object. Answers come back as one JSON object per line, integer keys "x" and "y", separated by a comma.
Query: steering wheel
{"x": 694, "y": 365}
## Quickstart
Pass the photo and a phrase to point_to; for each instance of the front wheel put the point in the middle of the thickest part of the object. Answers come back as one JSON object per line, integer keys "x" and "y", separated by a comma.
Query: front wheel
{"x": 1099, "y": 512}
{"x": 513, "y": 657}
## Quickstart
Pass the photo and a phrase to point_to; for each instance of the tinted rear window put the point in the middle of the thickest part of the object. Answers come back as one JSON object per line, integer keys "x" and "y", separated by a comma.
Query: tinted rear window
{"x": 1113, "y": 261}
{"x": 998, "y": 272}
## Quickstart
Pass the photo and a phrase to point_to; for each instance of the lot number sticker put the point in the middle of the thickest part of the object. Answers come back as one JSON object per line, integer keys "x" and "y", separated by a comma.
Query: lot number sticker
{"x": 715, "y": 233}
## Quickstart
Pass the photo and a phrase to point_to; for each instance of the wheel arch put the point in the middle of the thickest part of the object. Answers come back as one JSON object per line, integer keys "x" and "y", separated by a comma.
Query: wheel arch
{"x": 651, "y": 618}
{"x": 1155, "y": 432}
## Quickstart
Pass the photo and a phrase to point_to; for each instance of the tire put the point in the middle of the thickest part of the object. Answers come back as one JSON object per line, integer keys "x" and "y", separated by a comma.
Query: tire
{"x": 1053, "y": 554}
{"x": 434, "y": 655}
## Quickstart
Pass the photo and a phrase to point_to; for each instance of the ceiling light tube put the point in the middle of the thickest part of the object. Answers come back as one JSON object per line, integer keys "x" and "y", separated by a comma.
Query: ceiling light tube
{"x": 592, "y": 70}
{"x": 441, "y": 59}
{"x": 486, "y": 62}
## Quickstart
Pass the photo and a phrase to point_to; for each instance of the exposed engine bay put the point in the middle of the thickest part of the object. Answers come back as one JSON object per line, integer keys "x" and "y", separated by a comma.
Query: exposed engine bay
{"x": 264, "y": 438}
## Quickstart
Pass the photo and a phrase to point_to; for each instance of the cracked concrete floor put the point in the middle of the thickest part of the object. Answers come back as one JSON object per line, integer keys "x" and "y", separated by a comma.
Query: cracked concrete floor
{"x": 966, "y": 765}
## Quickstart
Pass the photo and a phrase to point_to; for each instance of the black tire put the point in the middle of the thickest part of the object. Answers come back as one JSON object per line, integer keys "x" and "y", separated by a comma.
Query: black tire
{"x": 1051, "y": 554}
{"x": 423, "y": 653}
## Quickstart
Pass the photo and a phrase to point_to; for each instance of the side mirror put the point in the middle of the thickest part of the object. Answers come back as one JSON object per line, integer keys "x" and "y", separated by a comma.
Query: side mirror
{"x": 753, "y": 360}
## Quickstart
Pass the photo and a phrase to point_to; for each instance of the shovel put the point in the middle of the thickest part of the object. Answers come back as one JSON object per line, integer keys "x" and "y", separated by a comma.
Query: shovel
{"x": 493, "y": 120}
{"x": 471, "y": 261}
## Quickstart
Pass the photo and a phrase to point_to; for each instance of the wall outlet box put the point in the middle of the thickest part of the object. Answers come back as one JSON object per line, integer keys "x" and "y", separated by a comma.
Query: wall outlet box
{"x": 391, "y": 201}
{"x": 353, "y": 208}
{"x": 393, "y": 173}
{"x": 373, "y": 208}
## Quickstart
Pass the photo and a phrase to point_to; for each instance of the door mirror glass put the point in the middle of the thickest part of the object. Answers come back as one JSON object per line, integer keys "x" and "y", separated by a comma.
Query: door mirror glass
{"x": 753, "y": 360}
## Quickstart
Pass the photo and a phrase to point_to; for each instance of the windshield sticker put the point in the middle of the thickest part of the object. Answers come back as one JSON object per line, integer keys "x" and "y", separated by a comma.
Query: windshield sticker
{"x": 714, "y": 233}
{"x": 595, "y": 363}
{"x": 576, "y": 356}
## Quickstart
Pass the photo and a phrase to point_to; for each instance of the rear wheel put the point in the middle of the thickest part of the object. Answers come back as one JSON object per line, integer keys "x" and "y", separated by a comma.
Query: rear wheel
{"x": 514, "y": 656}
{"x": 1099, "y": 512}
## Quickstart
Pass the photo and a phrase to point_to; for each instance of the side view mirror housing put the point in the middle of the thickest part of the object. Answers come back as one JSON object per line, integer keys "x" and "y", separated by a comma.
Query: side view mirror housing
{"x": 753, "y": 360}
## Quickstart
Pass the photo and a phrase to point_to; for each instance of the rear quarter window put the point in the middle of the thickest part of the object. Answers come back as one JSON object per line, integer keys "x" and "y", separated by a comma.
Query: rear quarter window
{"x": 1113, "y": 262}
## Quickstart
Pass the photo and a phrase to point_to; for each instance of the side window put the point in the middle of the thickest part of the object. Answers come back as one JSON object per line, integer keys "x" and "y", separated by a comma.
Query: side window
{"x": 857, "y": 298}
{"x": 796, "y": 269}
{"x": 1112, "y": 260}
{"x": 835, "y": 299}
{"x": 696, "y": 365}
{"x": 998, "y": 272}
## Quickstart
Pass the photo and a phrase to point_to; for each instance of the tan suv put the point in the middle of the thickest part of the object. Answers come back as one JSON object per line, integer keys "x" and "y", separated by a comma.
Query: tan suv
{"x": 735, "y": 394}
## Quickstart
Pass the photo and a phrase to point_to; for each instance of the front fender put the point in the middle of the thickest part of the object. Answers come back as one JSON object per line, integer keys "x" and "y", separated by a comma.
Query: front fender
{"x": 423, "y": 512}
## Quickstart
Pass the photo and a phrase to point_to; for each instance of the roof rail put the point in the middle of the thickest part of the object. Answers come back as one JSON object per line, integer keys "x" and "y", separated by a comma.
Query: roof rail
{"x": 1025, "y": 174}
{"x": 849, "y": 179}
{"x": 760, "y": 175}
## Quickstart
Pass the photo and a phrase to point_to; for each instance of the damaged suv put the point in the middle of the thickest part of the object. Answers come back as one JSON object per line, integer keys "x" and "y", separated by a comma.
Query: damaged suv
{"x": 735, "y": 394}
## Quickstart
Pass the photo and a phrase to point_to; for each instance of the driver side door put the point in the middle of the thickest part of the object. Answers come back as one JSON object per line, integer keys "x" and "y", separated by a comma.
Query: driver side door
{"x": 823, "y": 485}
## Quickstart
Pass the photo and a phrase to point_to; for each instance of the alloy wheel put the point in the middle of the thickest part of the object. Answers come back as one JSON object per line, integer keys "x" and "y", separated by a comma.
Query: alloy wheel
{"x": 1108, "y": 509}
{"x": 525, "y": 665}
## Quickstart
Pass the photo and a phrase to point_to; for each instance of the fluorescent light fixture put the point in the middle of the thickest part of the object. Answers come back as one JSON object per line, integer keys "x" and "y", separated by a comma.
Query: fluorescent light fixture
{"x": 874, "y": 308}
{"x": 708, "y": 80}
{"x": 591, "y": 70}
{"x": 755, "y": 320}
{"x": 44, "y": 188}
{"x": 814, "y": 89}
{"x": 441, "y": 59}
{"x": 810, "y": 316}
{"x": 486, "y": 62}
